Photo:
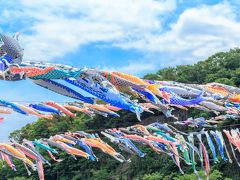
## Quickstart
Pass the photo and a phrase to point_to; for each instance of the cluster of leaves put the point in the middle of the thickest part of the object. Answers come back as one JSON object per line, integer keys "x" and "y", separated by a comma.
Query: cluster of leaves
{"x": 222, "y": 67}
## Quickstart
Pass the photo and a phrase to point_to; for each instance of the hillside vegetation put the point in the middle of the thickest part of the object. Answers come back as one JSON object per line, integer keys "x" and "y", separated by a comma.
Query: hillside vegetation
{"x": 223, "y": 67}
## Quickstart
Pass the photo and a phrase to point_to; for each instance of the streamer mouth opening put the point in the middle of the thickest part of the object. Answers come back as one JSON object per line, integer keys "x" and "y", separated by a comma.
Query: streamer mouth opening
{"x": 91, "y": 158}
{"x": 114, "y": 114}
{"x": 141, "y": 154}
{"x": 119, "y": 157}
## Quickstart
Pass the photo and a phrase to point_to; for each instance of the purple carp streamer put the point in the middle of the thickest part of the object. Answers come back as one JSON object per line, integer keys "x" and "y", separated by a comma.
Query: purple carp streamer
{"x": 164, "y": 96}
{"x": 156, "y": 135}
{"x": 98, "y": 92}
{"x": 118, "y": 89}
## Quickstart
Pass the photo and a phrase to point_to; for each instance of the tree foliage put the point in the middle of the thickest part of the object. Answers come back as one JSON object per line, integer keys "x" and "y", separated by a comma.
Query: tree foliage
{"x": 223, "y": 67}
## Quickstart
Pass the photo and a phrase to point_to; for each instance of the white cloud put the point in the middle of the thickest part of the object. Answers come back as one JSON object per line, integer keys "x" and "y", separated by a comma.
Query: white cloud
{"x": 198, "y": 33}
{"x": 133, "y": 68}
{"x": 61, "y": 27}
{"x": 54, "y": 28}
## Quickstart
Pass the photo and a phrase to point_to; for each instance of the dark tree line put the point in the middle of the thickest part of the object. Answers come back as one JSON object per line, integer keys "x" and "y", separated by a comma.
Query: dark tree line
{"x": 223, "y": 67}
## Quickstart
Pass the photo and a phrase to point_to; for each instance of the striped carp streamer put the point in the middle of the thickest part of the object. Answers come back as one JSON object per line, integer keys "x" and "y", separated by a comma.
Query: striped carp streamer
{"x": 180, "y": 148}
{"x": 102, "y": 93}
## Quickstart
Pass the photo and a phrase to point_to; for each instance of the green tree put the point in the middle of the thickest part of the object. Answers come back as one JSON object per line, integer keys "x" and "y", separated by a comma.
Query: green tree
{"x": 223, "y": 67}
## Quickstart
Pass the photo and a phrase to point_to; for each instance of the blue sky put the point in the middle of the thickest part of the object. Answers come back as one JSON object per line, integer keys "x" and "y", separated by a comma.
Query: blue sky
{"x": 133, "y": 36}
